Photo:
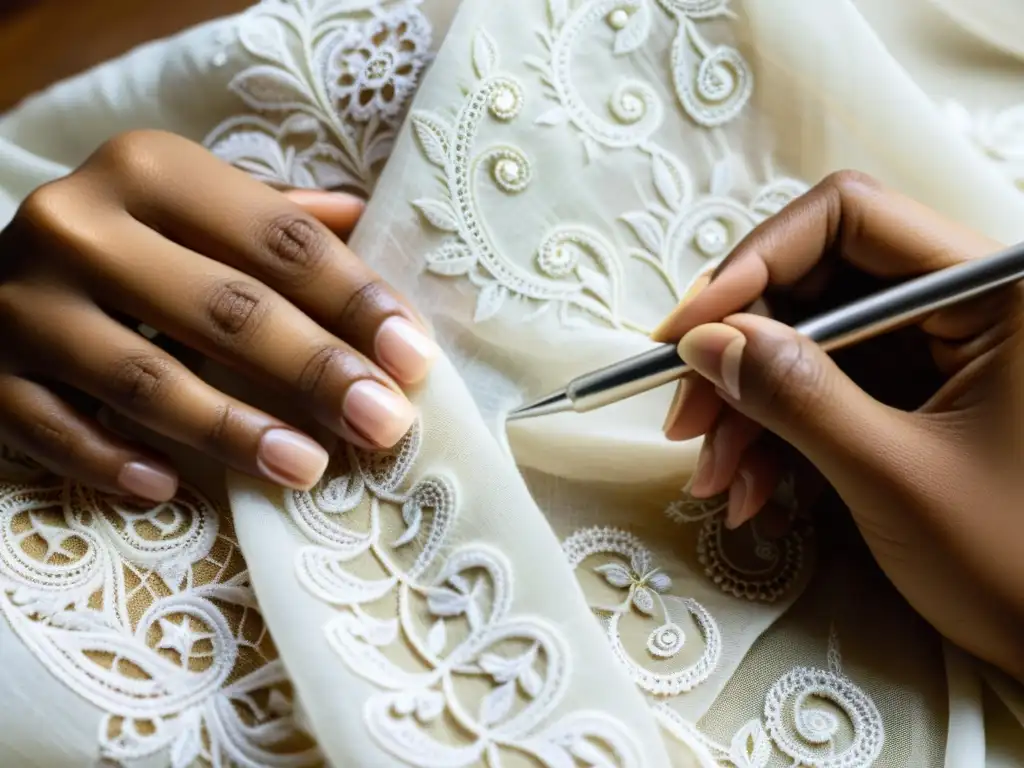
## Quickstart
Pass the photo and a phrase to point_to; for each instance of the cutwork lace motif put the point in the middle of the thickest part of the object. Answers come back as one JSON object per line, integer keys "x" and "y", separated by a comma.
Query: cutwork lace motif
{"x": 808, "y": 735}
{"x": 329, "y": 93}
{"x": 647, "y": 599}
{"x": 146, "y": 613}
{"x": 576, "y": 269}
{"x": 438, "y": 640}
{"x": 776, "y": 565}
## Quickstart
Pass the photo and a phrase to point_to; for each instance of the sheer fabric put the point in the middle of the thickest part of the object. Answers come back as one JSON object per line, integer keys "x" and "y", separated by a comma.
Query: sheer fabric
{"x": 557, "y": 174}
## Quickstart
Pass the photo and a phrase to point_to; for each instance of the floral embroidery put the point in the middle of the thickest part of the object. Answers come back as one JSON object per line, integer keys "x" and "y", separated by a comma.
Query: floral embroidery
{"x": 809, "y": 735}
{"x": 420, "y": 631}
{"x": 647, "y": 599}
{"x": 333, "y": 81}
{"x": 685, "y": 235}
{"x": 147, "y": 613}
{"x": 759, "y": 569}
{"x": 375, "y": 68}
{"x": 579, "y": 268}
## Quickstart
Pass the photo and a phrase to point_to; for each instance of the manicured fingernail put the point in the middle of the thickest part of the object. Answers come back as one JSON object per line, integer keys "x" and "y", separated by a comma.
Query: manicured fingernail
{"x": 675, "y": 408}
{"x": 715, "y": 350}
{"x": 698, "y": 285}
{"x": 377, "y": 412}
{"x": 404, "y": 350}
{"x": 147, "y": 481}
{"x": 290, "y": 459}
{"x": 324, "y": 197}
{"x": 739, "y": 492}
{"x": 700, "y": 483}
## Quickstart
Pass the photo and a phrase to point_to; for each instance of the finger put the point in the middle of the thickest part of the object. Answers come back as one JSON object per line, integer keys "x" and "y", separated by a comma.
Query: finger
{"x": 137, "y": 379}
{"x": 234, "y": 219}
{"x": 722, "y": 451}
{"x": 847, "y": 215}
{"x": 242, "y": 323}
{"x": 972, "y": 318}
{"x": 338, "y": 211}
{"x": 694, "y": 409}
{"x": 951, "y": 357}
{"x": 756, "y": 479}
{"x": 786, "y": 383}
{"x": 41, "y": 425}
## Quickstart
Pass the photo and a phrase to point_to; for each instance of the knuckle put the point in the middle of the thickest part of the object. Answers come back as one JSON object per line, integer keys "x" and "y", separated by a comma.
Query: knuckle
{"x": 133, "y": 154}
{"x": 49, "y": 216}
{"x": 326, "y": 370}
{"x": 849, "y": 181}
{"x": 373, "y": 294}
{"x": 56, "y": 441}
{"x": 227, "y": 420}
{"x": 296, "y": 248}
{"x": 141, "y": 382}
{"x": 793, "y": 378}
{"x": 236, "y": 309}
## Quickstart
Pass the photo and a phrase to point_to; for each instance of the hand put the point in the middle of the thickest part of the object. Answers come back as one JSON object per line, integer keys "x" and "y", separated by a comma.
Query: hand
{"x": 152, "y": 229}
{"x": 919, "y": 432}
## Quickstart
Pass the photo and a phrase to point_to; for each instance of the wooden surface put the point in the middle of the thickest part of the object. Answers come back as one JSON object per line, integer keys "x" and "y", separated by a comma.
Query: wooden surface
{"x": 42, "y": 41}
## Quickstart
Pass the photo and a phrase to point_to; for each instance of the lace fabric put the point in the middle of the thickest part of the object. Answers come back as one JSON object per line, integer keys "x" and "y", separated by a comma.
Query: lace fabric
{"x": 568, "y": 168}
{"x": 148, "y": 614}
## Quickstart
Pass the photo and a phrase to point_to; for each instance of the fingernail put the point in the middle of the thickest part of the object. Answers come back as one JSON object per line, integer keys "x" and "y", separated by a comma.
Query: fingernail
{"x": 698, "y": 285}
{"x": 290, "y": 459}
{"x": 377, "y": 412}
{"x": 739, "y": 492}
{"x": 705, "y": 472}
{"x": 715, "y": 350}
{"x": 324, "y": 197}
{"x": 147, "y": 481}
{"x": 675, "y": 408}
{"x": 404, "y": 350}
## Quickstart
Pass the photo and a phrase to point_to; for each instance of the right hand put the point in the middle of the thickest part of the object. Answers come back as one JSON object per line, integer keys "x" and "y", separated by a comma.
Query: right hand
{"x": 153, "y": 229}
{"x": 920, "y": 432}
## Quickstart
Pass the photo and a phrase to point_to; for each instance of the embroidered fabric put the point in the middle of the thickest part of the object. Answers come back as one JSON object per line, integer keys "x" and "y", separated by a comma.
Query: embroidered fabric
{"x": 328, "y": 92}
{"x": 452, "y": 627}
{"x": 148, "y": 614}
{"x": 615, "y": 158}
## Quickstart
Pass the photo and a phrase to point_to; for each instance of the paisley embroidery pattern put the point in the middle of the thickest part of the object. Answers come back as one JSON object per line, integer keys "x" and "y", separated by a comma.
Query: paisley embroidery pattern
{"x": 648, "y": 600}
{"x": 329, "y": 91}
{"x": 147, "y": 613}
{"x": 460, "y": 677}
{"x": 577, "y": 270}
{"x": 712, "y": 82}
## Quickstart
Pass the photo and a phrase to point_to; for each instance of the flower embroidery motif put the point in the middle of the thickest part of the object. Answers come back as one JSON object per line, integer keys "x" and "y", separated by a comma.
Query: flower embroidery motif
{"x": 648, "y": 598}
{"x": 437, "y": 636}
{"x": 640, "y": 578}
{"x": 373, "y": 68}
{"x": 328, "y": 92}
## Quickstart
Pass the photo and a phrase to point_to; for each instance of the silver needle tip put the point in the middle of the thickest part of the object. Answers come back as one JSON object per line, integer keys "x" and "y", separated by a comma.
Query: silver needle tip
{"x": 556, "y": 402}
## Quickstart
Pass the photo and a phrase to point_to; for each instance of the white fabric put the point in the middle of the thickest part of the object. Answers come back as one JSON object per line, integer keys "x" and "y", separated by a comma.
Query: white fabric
{"x": 422, "y": 608}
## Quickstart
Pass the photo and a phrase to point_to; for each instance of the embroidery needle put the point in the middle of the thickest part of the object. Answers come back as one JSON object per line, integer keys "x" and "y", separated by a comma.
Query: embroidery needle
{"x": 866, "y": 318}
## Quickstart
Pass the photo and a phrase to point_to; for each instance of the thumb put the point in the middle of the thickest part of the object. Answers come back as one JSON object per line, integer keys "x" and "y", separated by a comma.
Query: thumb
{"x": 786, "y": 383}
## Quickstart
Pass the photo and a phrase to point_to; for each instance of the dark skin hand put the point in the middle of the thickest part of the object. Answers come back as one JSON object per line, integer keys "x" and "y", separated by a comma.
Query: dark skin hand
{"x": 155, "y": 230}
{"x": 919, "y": 432}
